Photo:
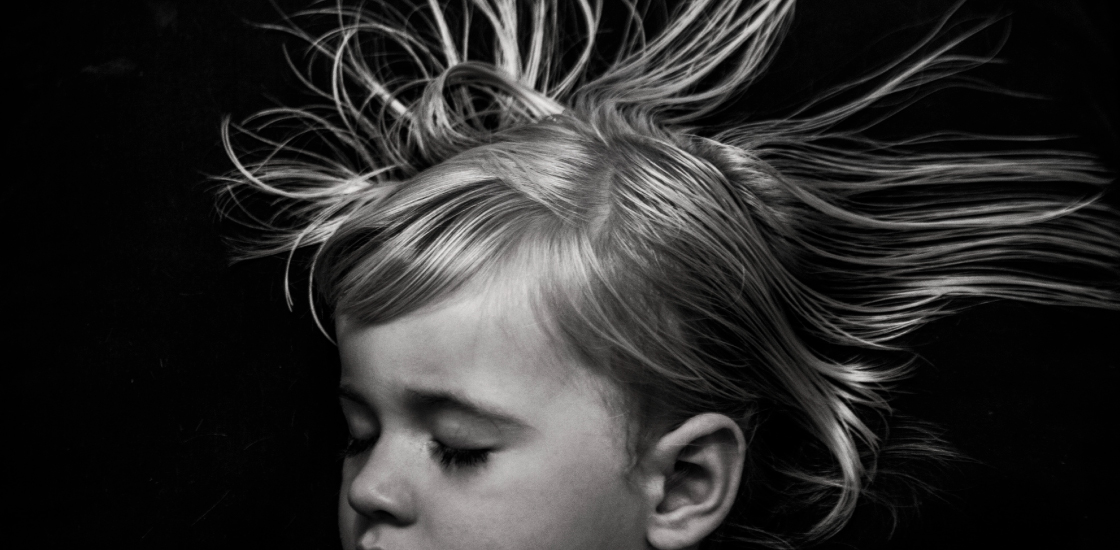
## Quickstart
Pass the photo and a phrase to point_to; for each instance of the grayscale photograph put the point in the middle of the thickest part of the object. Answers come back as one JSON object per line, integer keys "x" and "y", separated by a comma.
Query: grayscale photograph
{"x": 565, "y": 274}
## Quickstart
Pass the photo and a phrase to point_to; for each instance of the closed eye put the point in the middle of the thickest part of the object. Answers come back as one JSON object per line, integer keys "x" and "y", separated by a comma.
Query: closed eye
{"x": 355, "y": 446}
{"x": 452, "y": 458}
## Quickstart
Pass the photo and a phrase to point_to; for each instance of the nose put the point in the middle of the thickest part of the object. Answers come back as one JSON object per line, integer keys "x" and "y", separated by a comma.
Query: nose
{"x": 381, "y": 490}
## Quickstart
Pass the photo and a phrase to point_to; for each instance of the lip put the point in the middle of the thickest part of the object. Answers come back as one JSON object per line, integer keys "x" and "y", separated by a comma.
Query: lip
{"x": 359, "y": 546}
{"x": 369, "y": 545}
{"x": 368, "y": 541}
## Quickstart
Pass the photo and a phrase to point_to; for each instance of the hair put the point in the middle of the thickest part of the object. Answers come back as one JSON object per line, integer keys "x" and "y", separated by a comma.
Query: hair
{"x": 759, "y": 268}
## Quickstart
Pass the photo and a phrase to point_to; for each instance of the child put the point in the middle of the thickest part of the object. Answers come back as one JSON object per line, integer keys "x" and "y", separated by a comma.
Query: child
{"x": 574, "y": 313}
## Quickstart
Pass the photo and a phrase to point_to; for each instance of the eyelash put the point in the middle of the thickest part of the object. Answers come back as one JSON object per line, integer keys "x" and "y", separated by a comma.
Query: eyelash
{"x": 355, "y": 446}
{"x": 450, "y": 458}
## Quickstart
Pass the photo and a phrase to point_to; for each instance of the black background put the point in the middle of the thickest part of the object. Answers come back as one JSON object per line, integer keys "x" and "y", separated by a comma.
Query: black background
{"x": 163, "y": 399}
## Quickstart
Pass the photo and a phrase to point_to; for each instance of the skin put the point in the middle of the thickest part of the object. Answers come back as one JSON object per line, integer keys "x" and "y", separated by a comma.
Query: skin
{"x": 555, "y": 476}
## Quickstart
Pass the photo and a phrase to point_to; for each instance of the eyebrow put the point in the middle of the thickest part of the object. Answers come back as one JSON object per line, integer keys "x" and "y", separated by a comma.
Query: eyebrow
{"x": 427, "y": 401}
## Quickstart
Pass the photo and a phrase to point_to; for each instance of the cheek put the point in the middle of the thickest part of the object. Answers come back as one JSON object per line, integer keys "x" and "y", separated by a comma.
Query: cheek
{"x": 556, "y": 497}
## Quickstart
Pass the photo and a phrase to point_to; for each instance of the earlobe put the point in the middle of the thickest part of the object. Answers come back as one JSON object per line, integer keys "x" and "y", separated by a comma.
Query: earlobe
{"x": 693, "y": 476}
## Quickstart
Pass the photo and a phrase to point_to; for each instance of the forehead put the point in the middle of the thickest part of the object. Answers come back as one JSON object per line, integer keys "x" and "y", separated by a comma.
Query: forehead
{"x": 490, "y": 346}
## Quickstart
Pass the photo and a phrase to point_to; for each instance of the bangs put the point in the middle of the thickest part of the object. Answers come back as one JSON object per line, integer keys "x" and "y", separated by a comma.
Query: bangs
{"x": 488, "y": 213}
{"x": 422, "y": 244}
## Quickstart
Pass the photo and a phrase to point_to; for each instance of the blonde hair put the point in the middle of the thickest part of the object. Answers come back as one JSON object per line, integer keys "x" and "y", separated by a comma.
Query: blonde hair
{"x": 743, "y": 269}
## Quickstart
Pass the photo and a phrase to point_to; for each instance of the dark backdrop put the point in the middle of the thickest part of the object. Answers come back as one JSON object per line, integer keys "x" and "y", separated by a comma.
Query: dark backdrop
{"x": 163, "y": 399}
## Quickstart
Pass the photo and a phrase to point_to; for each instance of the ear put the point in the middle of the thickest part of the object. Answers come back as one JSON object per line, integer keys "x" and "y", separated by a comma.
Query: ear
{"x": 692, "y": 478}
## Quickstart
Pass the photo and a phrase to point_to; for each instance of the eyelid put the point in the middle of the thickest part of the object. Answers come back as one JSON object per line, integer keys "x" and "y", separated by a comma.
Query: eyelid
{"x": 360, "y": 422}
{"x": 464, "y": 431}
{"x": 434, "y": 401}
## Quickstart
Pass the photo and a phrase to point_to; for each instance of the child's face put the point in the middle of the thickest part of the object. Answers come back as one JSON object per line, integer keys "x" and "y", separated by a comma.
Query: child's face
{"x": 472, "y": 434}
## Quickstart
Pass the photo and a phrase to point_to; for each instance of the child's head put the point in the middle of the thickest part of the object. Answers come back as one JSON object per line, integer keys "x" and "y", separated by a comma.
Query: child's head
{"x": 619, "y": 261}
{"x": 568, "y": 320}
